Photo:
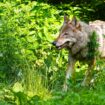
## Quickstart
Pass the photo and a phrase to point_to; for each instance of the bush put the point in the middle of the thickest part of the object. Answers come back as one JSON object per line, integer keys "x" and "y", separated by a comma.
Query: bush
{"x": 30, "y": 65}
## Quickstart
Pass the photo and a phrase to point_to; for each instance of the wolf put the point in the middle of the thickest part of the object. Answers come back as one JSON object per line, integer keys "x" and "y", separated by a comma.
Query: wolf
{"x": 75, "y": 36}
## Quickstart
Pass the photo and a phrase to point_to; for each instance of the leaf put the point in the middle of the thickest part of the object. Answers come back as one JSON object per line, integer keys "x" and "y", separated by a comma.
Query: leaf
{"x": 17, "y": 87}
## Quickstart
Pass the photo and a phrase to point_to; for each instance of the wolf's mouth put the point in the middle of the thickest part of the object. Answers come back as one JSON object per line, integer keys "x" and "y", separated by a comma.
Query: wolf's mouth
{"x": 59, "y": 47}
{"x": 62, "y": 46}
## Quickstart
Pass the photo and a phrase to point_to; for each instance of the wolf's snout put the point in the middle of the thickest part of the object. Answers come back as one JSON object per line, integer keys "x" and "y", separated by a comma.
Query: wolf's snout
{"x": 54, "y": 43}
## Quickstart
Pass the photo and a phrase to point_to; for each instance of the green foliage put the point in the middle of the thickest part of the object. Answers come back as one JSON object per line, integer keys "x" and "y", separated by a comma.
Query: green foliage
{"x": 27, "y": 55}
{"x": 31, "y": 69}
{"x": 93, "y": 46}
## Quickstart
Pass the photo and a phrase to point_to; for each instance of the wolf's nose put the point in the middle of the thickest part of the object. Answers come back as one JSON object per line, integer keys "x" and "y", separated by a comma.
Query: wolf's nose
{"x": 54, "y": 43}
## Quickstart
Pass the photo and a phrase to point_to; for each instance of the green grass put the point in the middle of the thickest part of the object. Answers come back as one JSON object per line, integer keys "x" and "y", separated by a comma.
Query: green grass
{"x": 32, "y": 71}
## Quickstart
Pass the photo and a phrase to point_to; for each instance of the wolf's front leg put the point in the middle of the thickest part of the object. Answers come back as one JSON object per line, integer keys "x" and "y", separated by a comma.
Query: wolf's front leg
{"x": 69, "y": 72}
{"x": 88, "y": 75}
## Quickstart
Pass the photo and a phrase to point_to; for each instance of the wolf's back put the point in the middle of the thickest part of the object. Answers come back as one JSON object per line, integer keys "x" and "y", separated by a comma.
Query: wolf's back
{"x": 99, "y": 27}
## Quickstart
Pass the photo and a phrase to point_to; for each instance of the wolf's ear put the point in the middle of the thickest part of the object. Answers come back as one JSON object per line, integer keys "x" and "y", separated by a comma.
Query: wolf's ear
{"x": 66, "y": 19}
{"x": 78, "y": 26}
{"x": 74, "y": 21}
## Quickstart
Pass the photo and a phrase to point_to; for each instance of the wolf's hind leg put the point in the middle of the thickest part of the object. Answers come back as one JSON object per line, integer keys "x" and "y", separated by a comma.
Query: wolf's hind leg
{"x": 88, "y": 75}
{"x": 87, "y": 78}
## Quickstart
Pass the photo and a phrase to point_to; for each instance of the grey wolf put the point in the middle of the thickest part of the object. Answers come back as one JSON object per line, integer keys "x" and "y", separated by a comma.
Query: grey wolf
{"x": 75, "y": 36}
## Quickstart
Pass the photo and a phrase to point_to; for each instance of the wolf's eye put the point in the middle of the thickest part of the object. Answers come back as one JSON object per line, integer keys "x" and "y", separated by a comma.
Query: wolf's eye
{"x": 66, "y": 33}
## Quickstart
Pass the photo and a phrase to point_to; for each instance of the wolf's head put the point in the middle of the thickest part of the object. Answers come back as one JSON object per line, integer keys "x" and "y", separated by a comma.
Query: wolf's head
{"x": 68, "y": 33}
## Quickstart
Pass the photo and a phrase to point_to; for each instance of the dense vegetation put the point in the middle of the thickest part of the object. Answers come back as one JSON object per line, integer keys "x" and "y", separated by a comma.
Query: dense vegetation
{"x": 31, "y": 70}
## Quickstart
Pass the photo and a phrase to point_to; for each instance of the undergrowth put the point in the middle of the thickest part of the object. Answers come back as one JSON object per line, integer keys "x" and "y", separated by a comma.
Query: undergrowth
{"x": 32, "y": 72}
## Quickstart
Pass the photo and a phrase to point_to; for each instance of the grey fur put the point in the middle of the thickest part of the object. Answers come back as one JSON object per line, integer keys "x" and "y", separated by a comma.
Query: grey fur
{"x": 75, "y": 36}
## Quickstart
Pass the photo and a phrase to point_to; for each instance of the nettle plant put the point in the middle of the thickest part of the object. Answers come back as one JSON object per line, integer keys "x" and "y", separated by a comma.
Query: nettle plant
{"x": 27, "y": 31}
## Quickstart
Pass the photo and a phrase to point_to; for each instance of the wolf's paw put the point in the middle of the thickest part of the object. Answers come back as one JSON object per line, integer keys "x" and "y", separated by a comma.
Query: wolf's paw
{"x": 65, "y": 88}
{"x": 84, "y": 84}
